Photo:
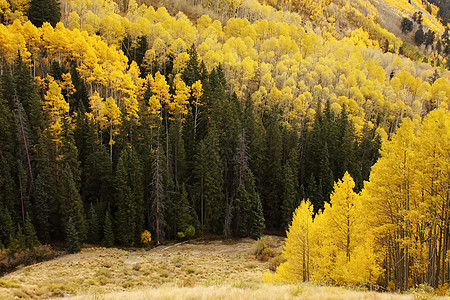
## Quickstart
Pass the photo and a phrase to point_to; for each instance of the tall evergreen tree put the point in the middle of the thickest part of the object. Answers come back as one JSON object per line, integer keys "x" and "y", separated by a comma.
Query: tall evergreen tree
{"x": 7, "y": 229}
{"x": 291, "y": 199}
{"x": 272, "y": 185}
{"x": 41, "y": 11}
{"x": 41, "y": 209}
{"x": 31, "y": 239}
{"x": 108, "y": 232}
{"x": 93, "y": 226}
{"x": 73, "y": 244}
{"x": 209, "y": 170}
{"x": 71, "y": 205}
{"x": 129, "y": 198}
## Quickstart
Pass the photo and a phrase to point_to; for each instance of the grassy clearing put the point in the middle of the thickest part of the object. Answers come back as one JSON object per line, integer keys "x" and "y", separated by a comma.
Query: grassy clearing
{"x": 260, "y": 291}
{"x": 198, "y": 270}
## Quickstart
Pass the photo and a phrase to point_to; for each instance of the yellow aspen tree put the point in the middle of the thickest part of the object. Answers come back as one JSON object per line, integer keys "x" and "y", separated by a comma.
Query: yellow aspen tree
{"x": 179, "y": 106}
{"x": 432, "y": 171}
{"x": 160, "y": 90}
{"x": 154, "y": 104}
{"x": 346, "y": 246}
{"x": 296, "y": 250}
{"x": 67, "y": 85}
{"x": 55, "y": 108}
{"x": 389, "y": 198}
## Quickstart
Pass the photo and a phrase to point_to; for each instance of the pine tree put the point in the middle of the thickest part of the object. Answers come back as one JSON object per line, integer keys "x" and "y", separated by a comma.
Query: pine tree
{"x": 291, "y": 198}
{"x": 129, "y": 198}
{"x": 41, "y": 11}
{"x": 6, "y": 226}
{"x": 209, "y": 171}
{"x": 256, "y": 216}
{"x": 69, "y": 152}
{"x": 71, "y": 205}
{"x": 47, "y": 191}
{"x": 273, "y": 174}
{"x": 184, "y": 216}
{"x": 419, "y": 36}
{"x": 31, "y": 239}
{"x": 73, "y": 244}
{"x": 108, "y": 233}
{"x": 191, "y": 72}
{"x": 93, "y": 225}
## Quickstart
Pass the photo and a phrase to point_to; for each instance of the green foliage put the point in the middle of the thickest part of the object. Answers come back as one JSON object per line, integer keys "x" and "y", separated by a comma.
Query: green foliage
{"x": 71, "y": 205}
{"x": 73, "y": 244}
{"x": 184, "y": 216}
{"x": 41, "y": 209}
{"x": 209, "y": 171}
{"x": 108, "y": 233}
{"x": 419, "y": 36}
{"x": 93, "y": 226}
{"x": 406, "y": 25}
{"x": 7, "y": 229}
{"x": 129, "y": 198}
{"x": 41, "y": 11}
{"x": 31, "y": 240}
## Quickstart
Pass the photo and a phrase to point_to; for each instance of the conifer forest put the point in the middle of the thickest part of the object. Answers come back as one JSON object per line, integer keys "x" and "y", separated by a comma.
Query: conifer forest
{"x": 326, "y": 121}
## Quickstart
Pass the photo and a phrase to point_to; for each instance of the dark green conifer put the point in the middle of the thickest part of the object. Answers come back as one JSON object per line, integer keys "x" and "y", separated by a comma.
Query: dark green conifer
{"x": 73, "y": 244}
{"x": 42, "y": 210}
{"x": 6, "y": 226}
{"x": 291, "y": 198}
{"x": 129, "y": 198}
{"x": 41, "y": 11}
{"x": 184, "y": 215}
{"x": 209, "y": 171}
{"x": 31, "y": 239}
{"x": 71, "y": 205}
{"x": 108, "y": 232}
{"x": 93, "y": 225}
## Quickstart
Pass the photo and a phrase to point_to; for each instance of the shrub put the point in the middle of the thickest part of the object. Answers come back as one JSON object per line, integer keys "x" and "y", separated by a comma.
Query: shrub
{"x": 264, "y": 249}
{"x": 189, "y": 233}
{"x": 146, "y": 238}
{"x": 276, "y": 261}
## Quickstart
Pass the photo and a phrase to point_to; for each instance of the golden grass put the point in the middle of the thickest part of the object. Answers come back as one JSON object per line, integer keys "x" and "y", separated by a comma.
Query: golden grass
{"x": 197, "y": 270}
{"x": 261, "y": 291}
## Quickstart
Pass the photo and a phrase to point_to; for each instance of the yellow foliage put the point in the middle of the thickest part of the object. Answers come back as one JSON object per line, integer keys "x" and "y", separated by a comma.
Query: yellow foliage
{"x": 146, "y": 238}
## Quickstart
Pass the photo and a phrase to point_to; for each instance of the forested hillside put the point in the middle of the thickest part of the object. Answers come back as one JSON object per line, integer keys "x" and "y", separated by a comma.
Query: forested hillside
{"x": 123, "y": 118}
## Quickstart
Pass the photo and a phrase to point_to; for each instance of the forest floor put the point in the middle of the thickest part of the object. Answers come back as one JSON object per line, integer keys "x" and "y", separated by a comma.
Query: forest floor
{"x": 212, "y": 269}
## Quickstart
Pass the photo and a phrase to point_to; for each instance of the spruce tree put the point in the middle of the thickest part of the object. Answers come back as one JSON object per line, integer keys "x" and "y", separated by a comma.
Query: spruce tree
{"x": 41, "y": 210}
{"x": 108, "y": 232}
{"x": 93, "y": 225}
{"x": 191, "y": 72}
{"x": 7, "y": 229}
{"x": 69, "y": 151}
{"x": 71, "y": 205}
{"x": 73, "y": 244}
{"x": 273, "y": 174}
{"x": 256, "y": 217}
{"x": 209, "y": 171}
{"x": 291, "y": 198}
{"x": 243, "y": 212}
{"x": 31, "y": 239}
{"x": 129, "y": 198}
{"x": 184, "y": 216}
{"x": 41, "y": 11}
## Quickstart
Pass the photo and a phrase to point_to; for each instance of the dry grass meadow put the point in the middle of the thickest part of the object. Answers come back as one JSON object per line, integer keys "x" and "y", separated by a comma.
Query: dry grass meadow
{"x": 197, "y": 270}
